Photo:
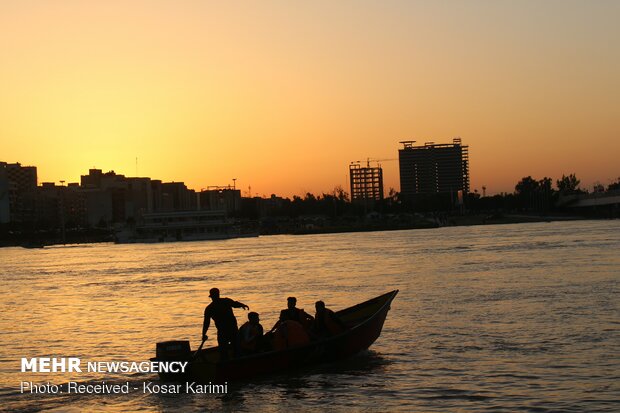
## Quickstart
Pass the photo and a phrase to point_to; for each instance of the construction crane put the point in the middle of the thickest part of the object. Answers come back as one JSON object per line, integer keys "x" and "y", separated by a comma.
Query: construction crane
{"x": 369, "y": 160}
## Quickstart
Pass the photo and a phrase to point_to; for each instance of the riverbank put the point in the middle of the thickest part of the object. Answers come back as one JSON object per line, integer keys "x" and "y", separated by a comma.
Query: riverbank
{"x": 41, "y": 239}
{"x": 438, "y": 222}
{"x": 304, "y": 227}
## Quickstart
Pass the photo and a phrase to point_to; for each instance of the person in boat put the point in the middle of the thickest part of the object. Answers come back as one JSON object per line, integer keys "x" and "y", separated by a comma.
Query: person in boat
{"x": 251, "y": 334}
{"x": 291, "y": 329}
{"x": 288, "y": 334}
{"x": 292, "y": 313}
{"x": 326, "y": 322}
{"x": 220, "y": 310}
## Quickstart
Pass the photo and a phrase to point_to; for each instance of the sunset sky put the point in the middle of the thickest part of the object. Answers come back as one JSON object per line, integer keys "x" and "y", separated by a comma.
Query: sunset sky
{"x": 283, "y": 95}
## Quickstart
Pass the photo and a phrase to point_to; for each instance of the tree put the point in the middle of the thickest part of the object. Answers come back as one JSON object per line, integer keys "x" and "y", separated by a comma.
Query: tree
{"x": 568, "y": 184}
{"x": 526, "y": 186}
{"x": 340, "y": 194}
{"x": 545, "y": 194}
{"x": 615, "y": 185}
{"x": 393, "y": 195}
{"x": 525, "y": 190}
{"x": 534, "y": 194}
{"x": 545, "y": 184}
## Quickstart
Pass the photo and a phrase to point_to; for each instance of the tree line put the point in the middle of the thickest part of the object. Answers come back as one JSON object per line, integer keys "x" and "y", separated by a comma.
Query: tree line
{"x": 530, "y": 195}
{"x": 537, "y": 195}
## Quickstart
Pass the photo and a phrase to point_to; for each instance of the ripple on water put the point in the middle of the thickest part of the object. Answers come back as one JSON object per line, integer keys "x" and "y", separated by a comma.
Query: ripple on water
{"x": 495, "y": 318}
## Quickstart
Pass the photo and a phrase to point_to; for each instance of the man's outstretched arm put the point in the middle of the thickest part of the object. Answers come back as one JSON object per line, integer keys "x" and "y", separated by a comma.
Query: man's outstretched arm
{"x": 238, "y": 304}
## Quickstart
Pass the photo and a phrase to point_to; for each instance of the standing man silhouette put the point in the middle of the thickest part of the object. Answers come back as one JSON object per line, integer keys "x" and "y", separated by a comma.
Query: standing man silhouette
{"x": 220, "y": 310}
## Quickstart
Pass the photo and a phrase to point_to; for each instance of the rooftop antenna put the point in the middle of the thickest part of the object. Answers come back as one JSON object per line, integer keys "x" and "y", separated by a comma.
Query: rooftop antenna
{"x": 136, "y": 166}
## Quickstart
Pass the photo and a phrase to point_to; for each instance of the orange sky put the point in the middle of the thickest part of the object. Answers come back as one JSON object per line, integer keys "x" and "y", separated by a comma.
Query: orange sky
{"x": 283, "y": 95}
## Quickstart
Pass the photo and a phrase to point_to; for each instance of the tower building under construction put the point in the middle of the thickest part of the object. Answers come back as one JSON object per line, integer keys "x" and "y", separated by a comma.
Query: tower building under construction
{"x": 433, "y": 168}
{"x": 366, "y": 182}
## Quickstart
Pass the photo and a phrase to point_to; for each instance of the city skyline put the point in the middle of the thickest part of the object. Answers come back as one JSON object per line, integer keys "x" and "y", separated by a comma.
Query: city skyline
{"x": 283, "y": 97}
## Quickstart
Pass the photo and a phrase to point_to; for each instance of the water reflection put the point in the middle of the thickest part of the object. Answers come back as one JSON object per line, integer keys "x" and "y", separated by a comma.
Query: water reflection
{"x": 514, "y": 317}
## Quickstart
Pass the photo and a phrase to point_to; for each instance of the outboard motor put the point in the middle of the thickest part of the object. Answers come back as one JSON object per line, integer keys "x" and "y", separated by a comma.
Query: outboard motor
{"x": 173, "y": 350}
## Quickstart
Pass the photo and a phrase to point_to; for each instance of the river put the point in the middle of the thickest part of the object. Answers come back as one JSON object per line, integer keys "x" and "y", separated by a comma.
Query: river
{"x": 520, "y": 317}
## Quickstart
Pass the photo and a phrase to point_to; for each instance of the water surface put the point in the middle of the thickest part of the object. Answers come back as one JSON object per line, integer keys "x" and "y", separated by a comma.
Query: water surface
{"x": 499, "y": 318}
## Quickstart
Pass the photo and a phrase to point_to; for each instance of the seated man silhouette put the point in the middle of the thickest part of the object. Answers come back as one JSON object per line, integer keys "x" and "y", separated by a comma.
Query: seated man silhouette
{"x": 251, "y": 335}
{"x": 292, "y": 313}
{"x": 326, "y": 322}
{"x": 291, "y": 330}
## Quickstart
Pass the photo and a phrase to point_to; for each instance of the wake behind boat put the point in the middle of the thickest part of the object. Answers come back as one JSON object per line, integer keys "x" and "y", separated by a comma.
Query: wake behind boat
{"x": 364, "y": 322}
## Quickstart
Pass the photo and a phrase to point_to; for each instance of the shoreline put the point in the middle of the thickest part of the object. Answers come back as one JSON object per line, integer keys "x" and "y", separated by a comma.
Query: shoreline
{"x": 450, "y": 221}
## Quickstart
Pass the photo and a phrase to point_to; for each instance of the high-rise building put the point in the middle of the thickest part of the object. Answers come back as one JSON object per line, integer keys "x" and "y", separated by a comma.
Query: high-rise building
{"x": 5, "y": 211}
{"x": 139, "y": 196}
{"x": 22, "y": 186}
{"x": 92, "y": 180}
{"x": 366, "y": 183}
{"x": 433, "y": 168}
{"x": 24, "y": 177}
{"x": 176, "y": 197}
{"x": 220, "y": 199}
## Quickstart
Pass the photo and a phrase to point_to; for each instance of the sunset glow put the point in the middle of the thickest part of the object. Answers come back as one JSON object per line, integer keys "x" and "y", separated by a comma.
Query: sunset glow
{"x": 283, "y": 96}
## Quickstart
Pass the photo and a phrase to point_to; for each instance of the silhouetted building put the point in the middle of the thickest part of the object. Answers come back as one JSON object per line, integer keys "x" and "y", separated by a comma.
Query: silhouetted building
{"x": 113, "y": 180}
{"x": 220, "y": 199}
{"x": 92, "y": 180}
{"x": 258, "y": 207}
{"x": 48, "y": 206}
{"x": 139, "y": 197}
{"x": 116, "y": 187}
{"x": 130, "y": 197}
{"x": 176, "y": 197}
{"x": 24, "y": 177}
{"x": 73, "y": 202}
{"x": 433, "y": 169}
{"x": 99, "y": 212}
{"x": 100, "y": 200}
{"x": 272, "y": 205}
{"x": 5, "y": 211}
{"x": 22, "y": 186}
{"x": 156, "y": 192}
{"x": 58, "y": 206}
{"x": 366, "y": 183}
{"x": 97, "y": 179}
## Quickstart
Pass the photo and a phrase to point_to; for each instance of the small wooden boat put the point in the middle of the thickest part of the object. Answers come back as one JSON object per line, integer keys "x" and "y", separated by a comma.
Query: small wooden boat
{"x": 364, "y": 322}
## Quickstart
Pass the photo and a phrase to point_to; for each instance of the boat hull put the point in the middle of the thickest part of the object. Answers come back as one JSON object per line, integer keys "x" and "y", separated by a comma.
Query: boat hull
{"x": 368, "y": 317}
